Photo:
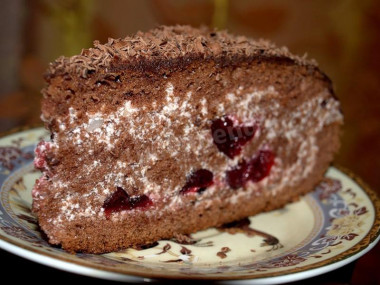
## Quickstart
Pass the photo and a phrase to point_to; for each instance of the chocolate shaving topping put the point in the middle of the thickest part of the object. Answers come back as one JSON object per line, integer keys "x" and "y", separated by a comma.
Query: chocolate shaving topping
{"x": 174, "y": 44}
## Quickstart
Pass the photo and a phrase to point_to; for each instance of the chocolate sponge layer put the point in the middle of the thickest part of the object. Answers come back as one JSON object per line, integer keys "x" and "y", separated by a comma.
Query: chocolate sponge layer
{"x": 136, "y": 115}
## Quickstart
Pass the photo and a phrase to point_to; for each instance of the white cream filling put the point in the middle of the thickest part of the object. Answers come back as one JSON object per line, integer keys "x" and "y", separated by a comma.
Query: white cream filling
{"x": 105, "y": 129}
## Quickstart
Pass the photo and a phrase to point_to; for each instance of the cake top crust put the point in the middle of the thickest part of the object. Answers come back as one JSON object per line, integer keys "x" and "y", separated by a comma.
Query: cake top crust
{"x": 167, "y": 46}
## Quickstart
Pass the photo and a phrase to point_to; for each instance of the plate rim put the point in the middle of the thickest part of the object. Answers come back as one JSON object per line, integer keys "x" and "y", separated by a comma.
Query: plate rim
{"x": 297, "y": 273}
{"x": 116, "y": 276}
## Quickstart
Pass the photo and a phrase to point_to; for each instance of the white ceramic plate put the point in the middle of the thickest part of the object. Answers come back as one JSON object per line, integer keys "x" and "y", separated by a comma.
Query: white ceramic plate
{"x": 329, "y": 228}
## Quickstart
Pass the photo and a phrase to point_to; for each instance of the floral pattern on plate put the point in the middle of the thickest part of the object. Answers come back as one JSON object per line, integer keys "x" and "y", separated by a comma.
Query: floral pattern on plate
{"x": 338, "y": 220}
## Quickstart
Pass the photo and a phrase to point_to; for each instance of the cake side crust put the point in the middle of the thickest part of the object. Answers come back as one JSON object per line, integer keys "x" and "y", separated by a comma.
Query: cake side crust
{"x": 177, "y": 45}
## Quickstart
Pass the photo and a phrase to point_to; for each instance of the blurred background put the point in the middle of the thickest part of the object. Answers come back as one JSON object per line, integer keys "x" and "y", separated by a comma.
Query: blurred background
{"x": 342, "y": 35}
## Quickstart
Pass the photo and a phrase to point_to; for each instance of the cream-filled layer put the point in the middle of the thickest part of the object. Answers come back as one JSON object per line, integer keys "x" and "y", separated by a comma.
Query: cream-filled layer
{"x": 176, "y": 114}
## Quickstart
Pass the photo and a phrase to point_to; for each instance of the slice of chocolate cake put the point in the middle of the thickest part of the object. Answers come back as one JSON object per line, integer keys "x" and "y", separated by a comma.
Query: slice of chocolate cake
{"x": 177, "y": 130}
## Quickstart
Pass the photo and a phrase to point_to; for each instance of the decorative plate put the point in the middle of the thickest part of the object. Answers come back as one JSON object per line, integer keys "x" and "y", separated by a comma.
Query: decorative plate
{"x": 334, "y": 225}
